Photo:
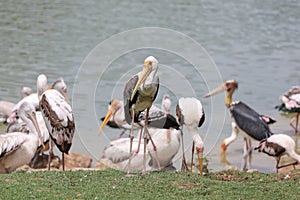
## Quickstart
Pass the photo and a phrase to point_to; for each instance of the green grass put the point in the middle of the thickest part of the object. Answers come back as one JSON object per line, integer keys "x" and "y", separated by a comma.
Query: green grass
{"x": 111, "y": 184}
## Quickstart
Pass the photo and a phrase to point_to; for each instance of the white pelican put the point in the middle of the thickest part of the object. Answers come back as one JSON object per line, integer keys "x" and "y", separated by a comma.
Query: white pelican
{"x": 190, "y": 113}
{"x": 17, "y": 148}
{"x": 279, "y": 145}
{"x": 32, "y": 99}
{"x": 117, "y": 154}
{"x": 25, "y": 91}
{"x": 291, "y": 104}
{"x": 248, "y": 121}
{"x": 20, "y": 126}
{"x": 58, "y": 116}
{"x": 166, "y": 104}
{"x": 6, "y": 108}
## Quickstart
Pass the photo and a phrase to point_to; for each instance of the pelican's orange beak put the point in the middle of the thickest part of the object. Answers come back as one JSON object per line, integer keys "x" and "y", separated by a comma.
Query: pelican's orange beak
{"x": 49, "y": 87}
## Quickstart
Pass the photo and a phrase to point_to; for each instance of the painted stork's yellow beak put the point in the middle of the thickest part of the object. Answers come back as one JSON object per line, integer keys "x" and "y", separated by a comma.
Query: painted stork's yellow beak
{"x": 49, "y": 87}
{"x": 33, "y": 119}
{"x": 200, "y": 157}
{"x": 145, "y": 73}
{"x": 215, "y": 91}
{"x": 108, "y": 115}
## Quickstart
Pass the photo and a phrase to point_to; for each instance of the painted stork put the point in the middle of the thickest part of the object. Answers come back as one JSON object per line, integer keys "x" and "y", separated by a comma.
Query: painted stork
{"x": 157, "y": 118}
{"x": 58, "y": 116}
{"x": 17, "y": 148}
{"x": 277, "y": 146}
{"x": 117, "y": 154}
{"x": 190, "y": 113}
{"x": 291, "y": 104}
{"x": 246, "y": 120}
{"x": 139, "y": 93}
{"x": 166, "y": 104}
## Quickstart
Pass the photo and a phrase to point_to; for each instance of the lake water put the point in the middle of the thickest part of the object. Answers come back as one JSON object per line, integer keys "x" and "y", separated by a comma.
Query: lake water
{"x": 96, "y": 47}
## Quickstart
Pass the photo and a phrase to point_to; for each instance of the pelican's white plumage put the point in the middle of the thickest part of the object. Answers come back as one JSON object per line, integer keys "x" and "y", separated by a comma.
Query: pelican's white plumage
{"x": 166, "y": 104}
{"x": 117, "y": 154}
{"x": 17, "y": 148}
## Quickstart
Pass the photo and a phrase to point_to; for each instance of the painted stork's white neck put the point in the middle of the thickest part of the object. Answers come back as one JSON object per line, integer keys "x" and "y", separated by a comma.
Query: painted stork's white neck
{"x": 233, "y": 135}
{"x": 195, "y": 135}
{"x": 41, "y": 85}
{"x": 119, "y": 116}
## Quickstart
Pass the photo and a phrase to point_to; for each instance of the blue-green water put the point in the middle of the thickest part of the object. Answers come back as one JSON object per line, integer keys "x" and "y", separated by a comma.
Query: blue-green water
{"x": 255, "y": 42}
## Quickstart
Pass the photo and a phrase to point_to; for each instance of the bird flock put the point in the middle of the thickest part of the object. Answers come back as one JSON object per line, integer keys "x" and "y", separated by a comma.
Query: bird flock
{"x": 42, "y": 120}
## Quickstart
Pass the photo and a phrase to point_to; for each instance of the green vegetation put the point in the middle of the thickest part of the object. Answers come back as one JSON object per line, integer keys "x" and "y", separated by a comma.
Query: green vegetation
{"x": 111, "y": 184}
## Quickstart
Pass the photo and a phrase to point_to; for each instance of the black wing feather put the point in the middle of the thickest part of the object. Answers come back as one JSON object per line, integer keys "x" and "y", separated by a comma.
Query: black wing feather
{"x": 250, "y": 121}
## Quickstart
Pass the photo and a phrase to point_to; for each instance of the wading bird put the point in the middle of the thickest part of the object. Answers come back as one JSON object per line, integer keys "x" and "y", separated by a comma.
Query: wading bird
{"x": 246, "y": 120}
{"x": 277, "y": 146}
{"x": 190, "y": 113}
{"x": 139, "y": 93}
{"x": 17, "y": 148}
{"x": 117, "y": 154}
{"x": 58, "y": 116}
{"x": 291, "y": 104}
{"x": 166, "y": 104}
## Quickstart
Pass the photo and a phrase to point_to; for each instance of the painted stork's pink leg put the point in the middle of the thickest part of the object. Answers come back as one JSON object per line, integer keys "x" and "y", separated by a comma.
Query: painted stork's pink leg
{"x": 296, "y": 117}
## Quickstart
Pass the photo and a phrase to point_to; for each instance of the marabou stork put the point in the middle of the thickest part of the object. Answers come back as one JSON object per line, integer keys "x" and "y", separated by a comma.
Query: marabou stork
{"x": 291, "y": 104}
{"x": 190, "y": 113}
{"x": 277, "y": 146}
{"x": 246, "y": 120}
{"x": 58, "y": 116}
{"x": 17, "y": 148}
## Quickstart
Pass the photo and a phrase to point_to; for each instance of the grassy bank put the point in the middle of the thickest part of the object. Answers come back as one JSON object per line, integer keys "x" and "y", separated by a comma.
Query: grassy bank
{"x": 111, "y": 184}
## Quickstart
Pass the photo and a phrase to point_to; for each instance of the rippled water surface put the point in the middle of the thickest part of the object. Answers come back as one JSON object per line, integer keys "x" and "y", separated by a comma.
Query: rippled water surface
{"x": 256, "y": 42}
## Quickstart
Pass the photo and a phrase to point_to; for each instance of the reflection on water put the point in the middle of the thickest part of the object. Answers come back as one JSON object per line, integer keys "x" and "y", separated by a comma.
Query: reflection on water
{"x": 256, "y": 43}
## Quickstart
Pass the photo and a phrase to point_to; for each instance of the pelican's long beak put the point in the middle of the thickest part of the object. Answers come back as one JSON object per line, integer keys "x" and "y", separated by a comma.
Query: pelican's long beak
{"x": 145, "y": 73}
{"x": 106, "y": 119}
{"x": 222, "y": 152}
{"x": 33, "y": 119}
{"x": 200, "y": 157}
{"x": 215, "y": 91}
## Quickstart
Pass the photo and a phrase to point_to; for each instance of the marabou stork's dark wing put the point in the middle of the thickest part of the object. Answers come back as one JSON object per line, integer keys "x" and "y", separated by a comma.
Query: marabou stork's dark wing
{"x": 249, "y": 121}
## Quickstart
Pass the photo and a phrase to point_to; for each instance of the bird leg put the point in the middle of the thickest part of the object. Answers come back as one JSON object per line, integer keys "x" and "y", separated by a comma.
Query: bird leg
{"x": 50, "y": 152}
{"x": 296, "y": 117}
{"x": 121, "y": 134}
{"x": 193, "y": 150}
{"x": 131, "y": 138}
{"x": 245, "y": 155}
{"x": 184, "y": 166}
{"x": 148, "y": 136}
{"x": 250, "y": 148}
{"x": 63, "y": 160}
